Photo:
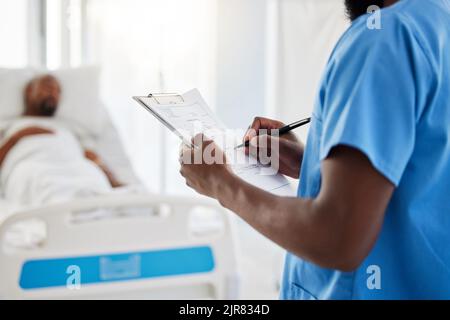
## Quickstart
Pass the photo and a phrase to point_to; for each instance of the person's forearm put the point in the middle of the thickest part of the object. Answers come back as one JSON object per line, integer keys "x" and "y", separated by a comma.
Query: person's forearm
{"x": 297, "y": 225}
{"x": 92, "y": 156}
{"x": 111, "y": 177}
{"x": 290, "y": 159}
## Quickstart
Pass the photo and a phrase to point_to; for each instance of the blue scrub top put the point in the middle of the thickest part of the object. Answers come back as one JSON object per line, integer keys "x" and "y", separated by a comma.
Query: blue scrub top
{"x": 387, "y": 93}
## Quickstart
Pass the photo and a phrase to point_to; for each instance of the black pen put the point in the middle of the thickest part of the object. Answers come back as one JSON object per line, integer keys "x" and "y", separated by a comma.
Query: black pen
{"x": 283, "y": 130}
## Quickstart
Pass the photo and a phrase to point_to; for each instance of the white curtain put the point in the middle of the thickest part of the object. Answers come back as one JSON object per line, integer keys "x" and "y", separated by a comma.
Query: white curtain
{"x": 151, "y": 46}
{"x": 307, "y": 33}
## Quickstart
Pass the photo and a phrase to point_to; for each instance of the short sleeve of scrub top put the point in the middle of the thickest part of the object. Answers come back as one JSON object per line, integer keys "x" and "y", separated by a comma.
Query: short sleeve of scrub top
{"x": 375, "y": 96}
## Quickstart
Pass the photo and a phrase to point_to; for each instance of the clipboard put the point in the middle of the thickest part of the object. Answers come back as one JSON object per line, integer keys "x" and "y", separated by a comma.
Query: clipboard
{"x": 155, "y": 104}
{"x": 163, "y": 99}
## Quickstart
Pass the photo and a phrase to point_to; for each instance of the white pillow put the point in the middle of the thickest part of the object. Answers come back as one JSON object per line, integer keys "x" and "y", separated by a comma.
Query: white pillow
{"x": 80, "y": 99}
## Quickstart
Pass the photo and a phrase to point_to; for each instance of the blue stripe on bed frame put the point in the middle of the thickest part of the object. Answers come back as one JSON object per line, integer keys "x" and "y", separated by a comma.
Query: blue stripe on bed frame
{"x": 47, "y": 273}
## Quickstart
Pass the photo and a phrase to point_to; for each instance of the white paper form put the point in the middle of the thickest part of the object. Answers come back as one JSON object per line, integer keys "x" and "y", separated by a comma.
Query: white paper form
{"x": 194, "y": 116}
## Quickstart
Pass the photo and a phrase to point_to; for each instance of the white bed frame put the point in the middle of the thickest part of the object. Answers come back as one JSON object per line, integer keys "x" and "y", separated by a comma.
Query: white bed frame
{"x": 126, "y": 234}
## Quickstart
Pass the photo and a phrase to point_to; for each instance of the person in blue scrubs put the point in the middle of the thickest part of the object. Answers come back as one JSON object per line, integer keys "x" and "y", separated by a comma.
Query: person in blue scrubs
{"x": 372, "y": 216}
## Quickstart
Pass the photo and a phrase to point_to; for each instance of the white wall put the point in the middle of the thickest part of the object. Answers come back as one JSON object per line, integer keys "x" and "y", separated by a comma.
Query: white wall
{"x": 241, "y": 69}
{"x": 271, "y": 55}
{"x": 308, "y": 31}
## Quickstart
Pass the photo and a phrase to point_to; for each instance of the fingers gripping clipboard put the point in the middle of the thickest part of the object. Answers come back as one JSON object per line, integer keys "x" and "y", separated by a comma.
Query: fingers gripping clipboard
{"x": 188, "y": 114}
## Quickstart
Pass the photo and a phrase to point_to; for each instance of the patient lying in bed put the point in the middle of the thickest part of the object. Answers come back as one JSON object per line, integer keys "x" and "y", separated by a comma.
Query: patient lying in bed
{"x": 42, "y": 161}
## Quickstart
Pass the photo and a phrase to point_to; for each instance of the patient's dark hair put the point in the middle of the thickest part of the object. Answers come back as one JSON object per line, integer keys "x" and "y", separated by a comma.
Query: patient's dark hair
{"x": 41, "y": 96}
{"x": 33, "y": 82}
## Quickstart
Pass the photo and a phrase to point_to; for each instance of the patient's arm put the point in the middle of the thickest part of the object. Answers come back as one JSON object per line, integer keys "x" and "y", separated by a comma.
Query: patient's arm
{"x": 94, "y": 157}
{"x": 15, "y": 138}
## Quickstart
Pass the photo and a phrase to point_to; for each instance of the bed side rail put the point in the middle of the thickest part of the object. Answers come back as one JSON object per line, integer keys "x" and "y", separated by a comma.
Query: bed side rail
{"x": 168, "y": 228}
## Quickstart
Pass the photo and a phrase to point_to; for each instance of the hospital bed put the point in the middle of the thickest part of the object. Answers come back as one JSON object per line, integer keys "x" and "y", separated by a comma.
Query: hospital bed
{"x": 159, "y": 255}
{"x": 126, "y": 245}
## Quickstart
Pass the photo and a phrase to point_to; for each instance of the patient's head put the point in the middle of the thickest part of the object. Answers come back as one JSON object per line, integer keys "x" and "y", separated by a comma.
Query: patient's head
{"x": 42, "y": 95}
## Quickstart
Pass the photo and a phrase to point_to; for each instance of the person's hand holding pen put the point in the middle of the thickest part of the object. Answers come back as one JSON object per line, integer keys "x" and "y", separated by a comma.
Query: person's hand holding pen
{"x": 290, "y": 149}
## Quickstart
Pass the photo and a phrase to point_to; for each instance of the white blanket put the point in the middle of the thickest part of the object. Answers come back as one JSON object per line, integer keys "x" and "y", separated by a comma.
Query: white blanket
{"x": 45, "y": 169}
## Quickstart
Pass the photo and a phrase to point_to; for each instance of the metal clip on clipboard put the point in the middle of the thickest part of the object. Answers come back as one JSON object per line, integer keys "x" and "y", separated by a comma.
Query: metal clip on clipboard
{"x": 166, "y": 98}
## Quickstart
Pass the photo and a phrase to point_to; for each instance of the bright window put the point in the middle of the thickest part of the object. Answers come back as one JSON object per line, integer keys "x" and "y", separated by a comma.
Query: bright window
{"x": 63, "y": 33}
{"x": 13, "y": 33}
